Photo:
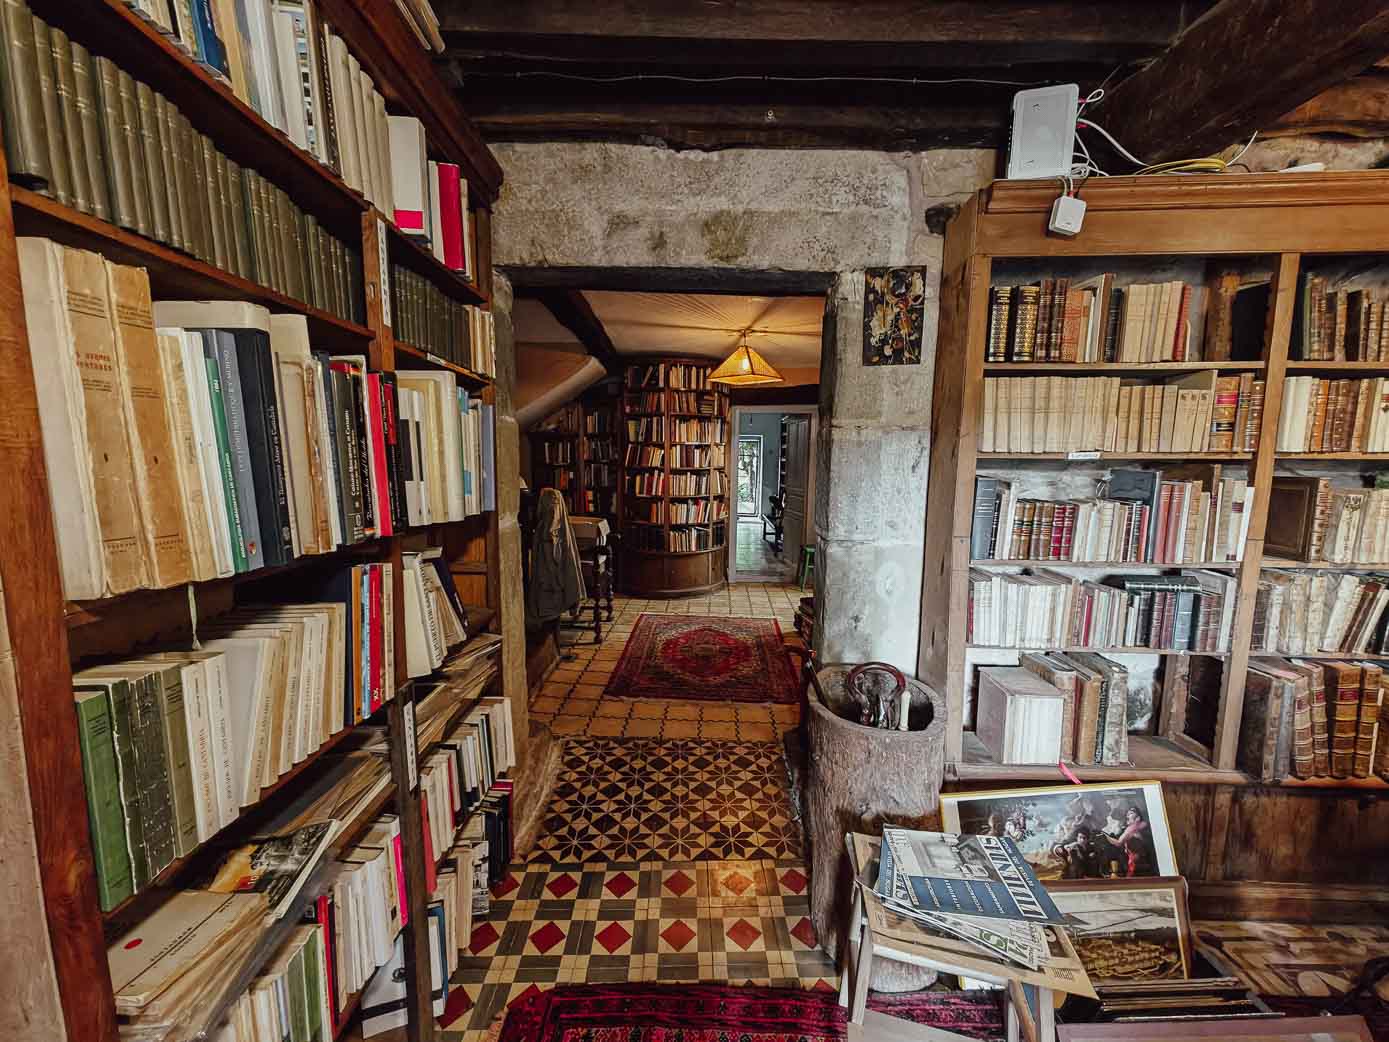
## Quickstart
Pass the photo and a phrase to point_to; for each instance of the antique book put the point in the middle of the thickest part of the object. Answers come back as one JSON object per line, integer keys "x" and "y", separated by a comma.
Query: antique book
{"x": 87, "y": 100}
{"x": 1343, "y": 703}
{"x": 1371, "y": 698}
{"x": 127, "y": 96}
{"x": 1020, "y": 716}
{"x": 104, "y": 814}
{"x": 26, "y": 132}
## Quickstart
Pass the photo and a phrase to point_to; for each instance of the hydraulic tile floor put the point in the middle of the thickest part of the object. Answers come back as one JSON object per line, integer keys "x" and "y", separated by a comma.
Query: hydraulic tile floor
{"x": 753, "y": 554}
{"x": 668, "y": 852}
{"x": 571, "y": 702}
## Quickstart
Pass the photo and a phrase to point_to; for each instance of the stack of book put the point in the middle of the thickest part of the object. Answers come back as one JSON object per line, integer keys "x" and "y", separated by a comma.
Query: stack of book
{"x": 1313, "y": 719}
{"x": 435, "y": 617}
{"x": 1196, "y": 412}
{"x": 176, "y": 743}
{"x": 1136, "y": 516}
{"x": 94, "y": 138}
{"x": 649, "y": 513}
{"x": 686, "y": 539}
{"x": 426, "y": 318}
{"x": 1079, "y": 698}
{"x": 650, "y": 457}
{"x": 1326, "y": 415}
{"x": 557, "y": 453}
{"x": 1338, "y": 325}
{"x": 696, "y": 403}
{"x": 647, "y": 430}
{"x": 1303, "y": 613}
{"x": 1192, "y": 611}
{"x": 697, "y": 432}
{"x": 431, "y": 199}
{"x": 692, "y": 457}
{"x": 685, "y": 377}
{"x": 647, "y": 483}
{"x": 698, "y": 511}
{"x": 647, "y": 376}
{"x": 1309, "y": 520}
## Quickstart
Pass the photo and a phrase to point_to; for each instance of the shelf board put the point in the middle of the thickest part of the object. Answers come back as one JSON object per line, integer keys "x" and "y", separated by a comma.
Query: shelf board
{"x": 1121, "y": 367}
{"x": 1210, "y": 565}
{"x": 1324, "y": 566}
{"x": 1341, "y": 367}
{"x": 1362, "y": 656}
{"x": 115, "y": 30}
{"x": 1153, "y": 759}
{"x": 406, "y": 354}
{"x": 1109, "y": 650}
{"x": 349, "y": 1010}
{"x": 173, "y": 275}
{"x": 1106, "y": 456}
{"x": 406, "y": 251}
{"x": 1332, "y": 455}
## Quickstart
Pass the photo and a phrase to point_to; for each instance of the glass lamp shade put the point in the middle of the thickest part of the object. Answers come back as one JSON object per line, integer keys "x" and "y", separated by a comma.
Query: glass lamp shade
{"x": 743, "y": 368}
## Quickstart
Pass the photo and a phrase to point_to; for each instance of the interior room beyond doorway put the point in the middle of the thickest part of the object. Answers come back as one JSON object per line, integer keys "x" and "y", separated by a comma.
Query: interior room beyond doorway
{"x": 772, "y": 497}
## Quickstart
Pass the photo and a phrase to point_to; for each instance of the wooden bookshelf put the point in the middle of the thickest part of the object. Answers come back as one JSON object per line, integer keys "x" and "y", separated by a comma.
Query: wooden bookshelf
{"x": 50, "y": 636}
{"x": 600, "y": 445}
{"x": 649, "y": 565}
{"x": 559, "y": 434}
{"x": 1266, "y": 223}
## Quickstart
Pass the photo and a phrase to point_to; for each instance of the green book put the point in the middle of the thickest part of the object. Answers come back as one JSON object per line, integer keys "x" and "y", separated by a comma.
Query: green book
{"x": 89, "y": 118}
{"x": 26, "y": 138}
{"x": 236, "y": 195}
{"x": 105, "y": 817}
{"x": 174, "y": 717}
{"x": 240, "y": 562}
{"x": 152, "y": 767}
{"x": 119, "y": 172}
{"x": 208, "y": 156}
{"x": 70, "y": 122}
{"x": 168, "y": 165}
{"x": 60, "y": 173}
{"x": 128, "y": 96}
{"x": 314, "y": 988}
{"x": 120, "y": 699}
{"x": 298, "y": 996}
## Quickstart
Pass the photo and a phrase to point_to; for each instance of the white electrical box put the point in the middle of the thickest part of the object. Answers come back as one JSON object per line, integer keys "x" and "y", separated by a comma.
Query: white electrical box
{"x": 1044, "y": 131}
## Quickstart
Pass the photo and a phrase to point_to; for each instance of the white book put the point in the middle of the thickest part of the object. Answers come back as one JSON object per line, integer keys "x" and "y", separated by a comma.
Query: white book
{"x": 410, "y": 176}
{"x": 436, "y": 240}
{"x": 210, "y": 460}
{"x": 286, "y": 36}
{"x": 248, "y": 670}
{"x": 265, "y": 63}
{"x": 382, "y": 130}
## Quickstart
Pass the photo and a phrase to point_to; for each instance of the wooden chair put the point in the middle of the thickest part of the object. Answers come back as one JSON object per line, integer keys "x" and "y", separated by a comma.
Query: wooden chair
{"x": 773, "y": 520}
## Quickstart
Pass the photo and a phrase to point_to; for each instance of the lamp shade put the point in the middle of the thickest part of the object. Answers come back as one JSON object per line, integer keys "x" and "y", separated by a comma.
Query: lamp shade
{"x": 745, "y": 367}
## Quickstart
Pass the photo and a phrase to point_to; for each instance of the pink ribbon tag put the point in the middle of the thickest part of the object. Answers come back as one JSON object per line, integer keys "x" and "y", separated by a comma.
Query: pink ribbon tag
{"x": 1070, "y": 774}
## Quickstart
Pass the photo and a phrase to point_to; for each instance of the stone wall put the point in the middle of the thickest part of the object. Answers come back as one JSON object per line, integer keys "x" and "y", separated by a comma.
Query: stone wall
{"x": 829, "y": 211}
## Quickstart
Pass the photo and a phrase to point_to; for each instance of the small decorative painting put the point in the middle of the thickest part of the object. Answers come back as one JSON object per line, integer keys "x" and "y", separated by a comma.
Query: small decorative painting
{"x": 894, "y": 315}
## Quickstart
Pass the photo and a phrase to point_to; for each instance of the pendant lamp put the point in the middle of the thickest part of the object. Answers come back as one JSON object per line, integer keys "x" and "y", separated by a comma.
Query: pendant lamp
{"x": 745, "y": 367}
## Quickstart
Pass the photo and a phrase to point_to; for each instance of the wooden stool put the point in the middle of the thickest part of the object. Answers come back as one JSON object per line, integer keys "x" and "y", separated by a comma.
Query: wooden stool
{"x": 806, "y": 571}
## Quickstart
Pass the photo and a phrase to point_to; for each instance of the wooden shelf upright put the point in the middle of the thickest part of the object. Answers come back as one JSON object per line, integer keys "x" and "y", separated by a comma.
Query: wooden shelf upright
{"x": 1276, "y": 225}
{"x": 50, "y": 637}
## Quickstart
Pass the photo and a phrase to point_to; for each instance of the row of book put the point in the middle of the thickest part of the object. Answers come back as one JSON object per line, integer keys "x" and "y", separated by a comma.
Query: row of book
{"x": 1311, "y": 520}
{"x": 697, "y": 432}
{"x": 425, "y": 317}
{"x": 694, "y": 457}
{"x": 199, "y": 439}
{"x": 684, "y": 540}
{"x": 698, "y": 403}
{"x": 598, "y": 503}
{"x": 1321, "y": 415}
{"x": 647, "y": 511}
{"x": 1304, "y": 612}
{"x": 1093, "y": 320}
{"x": 1313, "y": 719}
{"x": 1196, "y": 412}
{"x": 1136, "y": 516}
{"x": 600, "y": 475}
{"x": 651, "y": 403}
{"x": 646, "y": 483}
{"x": 436, "y": 619}
{"x": 430, "y": 199}
{"x": 690, "y": 483}
{"x": 648, "y": 429}
{"x": 601, "y": 422}
{"x": 1338, "y": 325}
{"x": 1054, "y": 706}
{"x": 697, "y": 511}
{"x": 95, "y": 138}
{"x": 176, "y": 743}
{"x": 1192, "y": 611}
{"x": 564, "y": 420}
{"x": 648, "y": 456}
{"x": 557, "y": 453}
{"x": 603, "y": 449}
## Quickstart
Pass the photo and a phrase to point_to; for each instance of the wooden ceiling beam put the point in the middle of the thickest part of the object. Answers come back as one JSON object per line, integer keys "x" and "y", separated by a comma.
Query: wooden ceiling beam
{"x": 1357, "y": 108}
{"x": 573, "y": 311}
{"x": 1239, "y": 69}
{"x": 747, "y": 125}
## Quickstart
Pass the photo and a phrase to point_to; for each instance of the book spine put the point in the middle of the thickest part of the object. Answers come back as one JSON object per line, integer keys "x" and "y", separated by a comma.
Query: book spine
{"x": 123, "y": 723}
{"x": 233, "y": 404}
{"x": 127, "y": 95}
{"x": 88, "y": 103}
{"x": 240, "y": 559}
{"x": 152, "y": 774}
{"x": 104, "y": 816}
{"x": 174, "y": 730}
{"x": 264, "y": 445}
{"x": 147, "y": 117}
{"x": 69, "y": 125}
{"x": 26, "y": 133}
{"x": 119, "y": 172}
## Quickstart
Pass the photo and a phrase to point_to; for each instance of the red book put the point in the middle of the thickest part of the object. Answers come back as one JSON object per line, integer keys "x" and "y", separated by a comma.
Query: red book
{"x": 1164, "y": 514}
{"x": 376, "y": 643}
{"x": 1055, "y": 551}
{"x": 376, "y": 445}
{"x": 431, "y": 868}
{"x": 400, "y": 877}
{"x": 1068, "y": 531}
{"x": 451, "y": 216}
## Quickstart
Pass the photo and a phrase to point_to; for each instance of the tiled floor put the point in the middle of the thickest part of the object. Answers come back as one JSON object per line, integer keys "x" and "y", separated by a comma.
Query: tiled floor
{"x": 668, "y": 852}
{"x": 753, "y": 555}
{"x": 571, "y": 701}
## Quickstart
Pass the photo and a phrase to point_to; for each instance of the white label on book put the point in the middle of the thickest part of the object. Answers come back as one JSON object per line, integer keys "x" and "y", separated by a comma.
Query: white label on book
{"x": 1091, "y": 454}
{"x": 434, "y": 358}
{"x": 412, "y": 769}
{"x": 384, "y": 261}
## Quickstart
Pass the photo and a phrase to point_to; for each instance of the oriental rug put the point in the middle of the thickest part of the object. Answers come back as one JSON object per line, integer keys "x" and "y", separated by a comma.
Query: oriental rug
{"x": 705, "y": 658}
{"x": 679, "y": 1013}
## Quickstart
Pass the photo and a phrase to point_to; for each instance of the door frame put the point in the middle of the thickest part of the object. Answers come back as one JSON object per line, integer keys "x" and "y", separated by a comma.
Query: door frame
{"x": 735, "y": 422}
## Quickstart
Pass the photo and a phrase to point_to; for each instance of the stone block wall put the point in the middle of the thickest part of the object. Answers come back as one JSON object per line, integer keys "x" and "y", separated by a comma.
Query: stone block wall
{"x": 828, "y": 211}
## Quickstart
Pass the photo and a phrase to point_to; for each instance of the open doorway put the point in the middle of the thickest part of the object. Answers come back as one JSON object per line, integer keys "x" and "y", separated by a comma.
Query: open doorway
{"x": 772, "y": 480}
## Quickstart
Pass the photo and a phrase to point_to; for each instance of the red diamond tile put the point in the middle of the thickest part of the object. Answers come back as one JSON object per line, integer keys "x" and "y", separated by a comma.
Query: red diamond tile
{"x": 822, "y": 985}
{"x": 458, "y": 1004}
{"x": 679, "y": 883}
{"x": 547, "y": 937}
{"x": 794, "y": 881}
{"x": 804, "y": 932}
{"x": 612, "y": 937}
{"x": 562, "y": 886}
{"x": 620, "y": 885}
{"x": 743, "y": 934}
{"x": 484, "y": 937}
{"x": 532, "y": 990}
{"x": 737, "y": 882}
{"x": 677, "y": 935}
{"x": 505, "y": 887}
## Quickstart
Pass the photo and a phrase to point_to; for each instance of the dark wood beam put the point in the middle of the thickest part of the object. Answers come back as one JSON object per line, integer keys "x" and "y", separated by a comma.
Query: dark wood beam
{"x": 1238, "y": 70}
{"x": 741, "y": 125}
{"x": 1356, "y": 108}
{"x": 571, "y": 310}
{"x": 528, "y": 281}
{"x": 779, "y": 33}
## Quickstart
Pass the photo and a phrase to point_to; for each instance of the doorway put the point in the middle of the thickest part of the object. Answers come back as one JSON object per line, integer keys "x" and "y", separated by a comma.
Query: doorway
{"x": 771, "y": 474}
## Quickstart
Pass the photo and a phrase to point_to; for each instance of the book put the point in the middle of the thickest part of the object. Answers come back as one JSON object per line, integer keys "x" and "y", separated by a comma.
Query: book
{"x": 276, "y": 866}
{"x": 1020, "y": 717}
{"x": 101, "y": 779}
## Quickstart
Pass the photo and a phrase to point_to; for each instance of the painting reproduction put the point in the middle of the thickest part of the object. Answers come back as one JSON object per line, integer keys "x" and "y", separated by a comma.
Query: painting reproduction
{"x": 1127, "y": 930}
{"x": 1107, "y": 831}
{"x": 894, "y": 315}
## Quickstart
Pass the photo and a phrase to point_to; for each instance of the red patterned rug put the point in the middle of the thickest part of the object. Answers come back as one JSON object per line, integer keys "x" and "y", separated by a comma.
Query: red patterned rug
{"x": 674, "y": 1013}
{"x": 699, "y": 657}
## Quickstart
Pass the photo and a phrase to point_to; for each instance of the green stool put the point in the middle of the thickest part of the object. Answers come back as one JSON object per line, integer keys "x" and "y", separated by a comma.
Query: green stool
{"x": 807, "y": 569}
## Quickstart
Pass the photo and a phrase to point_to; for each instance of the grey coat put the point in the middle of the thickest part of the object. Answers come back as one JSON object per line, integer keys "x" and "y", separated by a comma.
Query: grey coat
{"x": 557, "y": 583}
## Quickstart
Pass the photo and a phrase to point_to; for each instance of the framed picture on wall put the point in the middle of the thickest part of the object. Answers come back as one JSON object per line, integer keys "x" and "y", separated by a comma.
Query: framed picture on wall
{"x": 1127, "y": 929}
{"x": 894, "y": 315}
{"x": 1107, "y": 831}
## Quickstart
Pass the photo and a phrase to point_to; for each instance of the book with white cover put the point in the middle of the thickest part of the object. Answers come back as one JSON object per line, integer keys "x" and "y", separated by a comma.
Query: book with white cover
{"x": 409, "y": 177}
{"x": 1020, "y": 716}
